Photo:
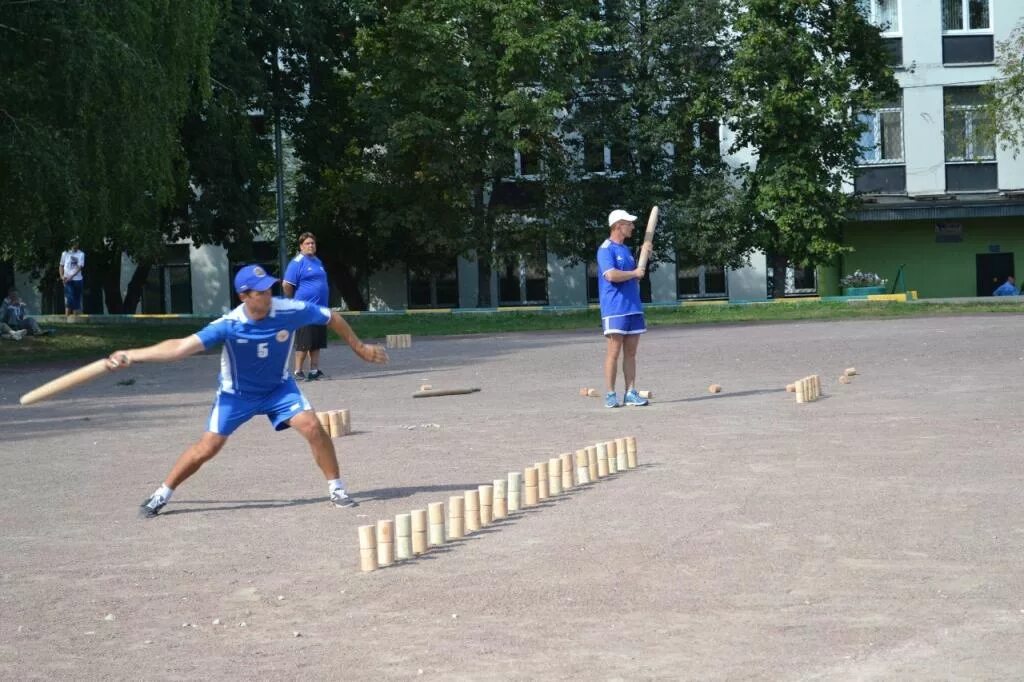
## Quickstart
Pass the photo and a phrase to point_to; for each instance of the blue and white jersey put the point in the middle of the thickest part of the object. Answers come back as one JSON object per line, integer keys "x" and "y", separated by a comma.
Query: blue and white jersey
{"x": 307, "y": 275}
{"x": 255, "y": 357}
{"x": 617, "y": 298}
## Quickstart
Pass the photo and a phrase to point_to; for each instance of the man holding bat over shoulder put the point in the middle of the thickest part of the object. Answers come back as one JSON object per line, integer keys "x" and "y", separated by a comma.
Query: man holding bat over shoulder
{"x": 622, "y": 315}
{"x": 257, "y": 339}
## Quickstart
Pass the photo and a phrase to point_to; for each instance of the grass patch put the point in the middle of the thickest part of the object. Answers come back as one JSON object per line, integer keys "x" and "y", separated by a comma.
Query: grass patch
{"x": 84, "y": 340}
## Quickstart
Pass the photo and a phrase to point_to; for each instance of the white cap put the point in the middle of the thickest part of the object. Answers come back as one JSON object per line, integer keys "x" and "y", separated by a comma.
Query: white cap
{"x": 617, "y": 215}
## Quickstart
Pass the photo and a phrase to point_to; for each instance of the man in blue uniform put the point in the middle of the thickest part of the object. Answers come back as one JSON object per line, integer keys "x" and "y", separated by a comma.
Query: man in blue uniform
{"x": 622, "y": 315}
{"x": 257, "y": 339}
{"x": 306, "y": 280}
{"x": 1007, "y": 288}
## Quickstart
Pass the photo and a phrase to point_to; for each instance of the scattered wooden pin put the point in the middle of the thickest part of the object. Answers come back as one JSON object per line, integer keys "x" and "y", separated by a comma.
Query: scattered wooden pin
{"x": 790, "y": 388}
{"x": 646, "y": 395}
{"x": 714, "y": 388}
{"x": 844, "y": 379}
{"x": 425, "y": 387}
{"x": 590, "y": 393}
{"x": 850, "y": 371}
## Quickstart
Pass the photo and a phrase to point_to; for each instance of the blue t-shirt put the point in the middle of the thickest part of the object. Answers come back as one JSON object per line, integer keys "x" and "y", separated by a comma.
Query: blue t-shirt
{"x": 255, "y": 357}
{"x": 1005, "y": 289}
{"x": 617, "y": 298}
{"x": 307, "y": 275}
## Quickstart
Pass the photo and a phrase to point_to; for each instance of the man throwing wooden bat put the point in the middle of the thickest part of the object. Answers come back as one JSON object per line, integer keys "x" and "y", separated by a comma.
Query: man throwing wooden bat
{"x": 257, "y": 339}
{"x": 622, "y": 315}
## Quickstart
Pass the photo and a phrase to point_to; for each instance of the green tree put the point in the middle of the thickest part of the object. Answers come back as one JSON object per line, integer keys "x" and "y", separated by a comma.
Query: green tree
{"x": 92, "y": 96}
{"x": 803, "y": 71}
{"x": 1006, "y": 94}
{"x": 648, "y": 127}
{"x": 446, "y": 92}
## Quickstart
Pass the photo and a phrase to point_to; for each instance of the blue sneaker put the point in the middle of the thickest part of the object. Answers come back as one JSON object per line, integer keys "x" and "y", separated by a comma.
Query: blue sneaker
{"x": 633, "y": 399}
{"x": 610, "y": 400}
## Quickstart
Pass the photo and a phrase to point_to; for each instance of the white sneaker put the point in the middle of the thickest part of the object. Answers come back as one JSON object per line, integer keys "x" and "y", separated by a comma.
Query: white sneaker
{"x": 18, "y": 335}
{"x": 340, "y": 499}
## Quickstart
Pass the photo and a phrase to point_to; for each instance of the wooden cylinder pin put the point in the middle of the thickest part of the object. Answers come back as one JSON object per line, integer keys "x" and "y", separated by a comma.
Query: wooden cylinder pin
{"x": 403, "y": 536}
{"x": 582, "y": 468}
{"x": 566, "y": 459}
{"x": 631, "y": 452}
{"x": 602, "y": 459}
{"x": 554, "y": 476}
{"x": 592, "y": 462}
{"x": 500, "y": 499}
{"x": 542, "y": 480}
{"x": 325, "y": 422}
{"x": 345, "y": 417}
{"x": 530, "y": 482}
{"x": 368, "y": 548}
{"x": 850, "y": 371}
{"x": 801, "y": 396}
{"x": 486, "y": 504}
{"x": 435, "y": 532}
{"x": 334, "y": 422}
{"x": 515, "y": 491}
{"x": 714, "y": 388}
{"x": 472, "y": 510}
{"x": 843, "y": 379}
{"x": 790, "y": 388}
{"x": 419, "y": 531}
{"x": 385, "y": 542}
{"x": 456, "y": 517}
{"x": 613, "y": 465}
{"x": 621, "y": 448}
{"x": 646, "y": 395}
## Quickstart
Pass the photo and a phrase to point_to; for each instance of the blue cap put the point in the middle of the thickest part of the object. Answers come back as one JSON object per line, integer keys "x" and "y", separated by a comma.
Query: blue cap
{"x": 253, "y": 278}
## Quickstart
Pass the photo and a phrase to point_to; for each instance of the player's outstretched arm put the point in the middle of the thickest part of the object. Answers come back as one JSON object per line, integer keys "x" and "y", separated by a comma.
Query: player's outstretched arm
{"x": 368, "y": 352}
{"x": 165, "y": 351}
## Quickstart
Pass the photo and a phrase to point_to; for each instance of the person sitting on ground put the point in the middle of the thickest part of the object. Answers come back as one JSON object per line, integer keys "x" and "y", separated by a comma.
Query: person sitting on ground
{"x": 8, "y": 333}
{"x": 1007, "y": 288}
{"x": 14, "y": 314}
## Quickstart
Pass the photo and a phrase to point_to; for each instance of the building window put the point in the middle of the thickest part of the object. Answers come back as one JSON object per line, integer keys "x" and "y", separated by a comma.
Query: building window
{"x": 885, "y": 14}
{"x": 699, "y": 281}
{"x": 432, "y": 288}
{"x": 968, "y": 131}
{"x": 168, "y": 288}
{"x": 523, "y": 279}
{"x": 882, "y": 141}
{"x": 966, "y": 15}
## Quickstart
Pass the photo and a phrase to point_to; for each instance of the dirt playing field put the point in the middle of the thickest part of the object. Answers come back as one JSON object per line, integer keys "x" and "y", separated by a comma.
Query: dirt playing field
{"x": 874, "y": 534}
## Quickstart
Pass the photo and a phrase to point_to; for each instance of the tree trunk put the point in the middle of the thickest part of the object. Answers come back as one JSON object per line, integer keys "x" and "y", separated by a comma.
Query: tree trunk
{"x": 133, "y": 294}
{"x": 779, "y": 266}
{"x": 344, "y": 277}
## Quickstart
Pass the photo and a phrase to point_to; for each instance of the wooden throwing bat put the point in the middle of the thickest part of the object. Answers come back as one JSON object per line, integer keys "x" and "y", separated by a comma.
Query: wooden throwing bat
{"x": 652, "y": 223}
{"x": 62, "y": 383}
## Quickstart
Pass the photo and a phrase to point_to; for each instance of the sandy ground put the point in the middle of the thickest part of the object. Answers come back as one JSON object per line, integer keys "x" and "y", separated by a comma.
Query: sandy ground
{"x": 875, "y": 534}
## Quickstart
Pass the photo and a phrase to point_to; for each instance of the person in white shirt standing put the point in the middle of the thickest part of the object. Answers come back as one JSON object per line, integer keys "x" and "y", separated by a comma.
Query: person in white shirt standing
{"x": 72, "y": 263}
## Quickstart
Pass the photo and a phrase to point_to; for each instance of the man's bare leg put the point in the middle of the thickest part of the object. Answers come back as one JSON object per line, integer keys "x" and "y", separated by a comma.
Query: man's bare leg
{"x": 195, "y": 456}
{"x": 629, "y": 346}
{"x": 611, "y": 361}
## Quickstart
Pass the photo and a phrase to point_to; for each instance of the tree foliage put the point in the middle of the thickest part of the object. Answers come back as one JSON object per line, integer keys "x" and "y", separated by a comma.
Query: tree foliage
{"x": 803, "y": 71}
{"x": 1006, "y": 104}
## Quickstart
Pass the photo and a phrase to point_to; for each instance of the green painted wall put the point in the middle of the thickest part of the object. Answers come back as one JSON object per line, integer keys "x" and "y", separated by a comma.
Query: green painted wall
{"x": 935, "y": 270}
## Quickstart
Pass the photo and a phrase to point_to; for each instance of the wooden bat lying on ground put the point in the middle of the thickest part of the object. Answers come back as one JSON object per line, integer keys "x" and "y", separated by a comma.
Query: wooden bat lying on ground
{"x": 652, "y": 224}
{"x": 443, "y": 391}
{"x": 67, "y": 381}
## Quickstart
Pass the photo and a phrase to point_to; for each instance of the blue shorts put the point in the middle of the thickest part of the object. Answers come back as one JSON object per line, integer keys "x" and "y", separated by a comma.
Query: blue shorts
{"x": 73, "y": 294}
{"x": 624, "y": 324}
{"x": 231, "y": 411}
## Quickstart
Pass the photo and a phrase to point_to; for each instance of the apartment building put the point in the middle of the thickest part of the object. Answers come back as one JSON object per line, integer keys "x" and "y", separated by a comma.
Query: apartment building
{"x": 942, "y": 198}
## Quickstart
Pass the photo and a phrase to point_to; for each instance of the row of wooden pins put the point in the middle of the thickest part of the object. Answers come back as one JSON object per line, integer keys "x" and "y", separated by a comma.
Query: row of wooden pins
{"x": 398, "y": 340}
{"x": 807, "y": 389}
{"x": 336, "y": 423}
{"x": 594, "y": 393}
{"x": 412, "y": 534}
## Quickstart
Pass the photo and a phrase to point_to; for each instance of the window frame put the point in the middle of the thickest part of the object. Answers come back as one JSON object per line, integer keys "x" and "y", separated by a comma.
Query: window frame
{"x": 968, "y": 131}
{"x": 965, "y": 15}
{"x": 872, "y": 17}
{"x": 877, "y": 135}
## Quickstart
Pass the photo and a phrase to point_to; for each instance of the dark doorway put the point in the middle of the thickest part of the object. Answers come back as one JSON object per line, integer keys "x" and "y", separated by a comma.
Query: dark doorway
{"x": 993, "y": 269}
